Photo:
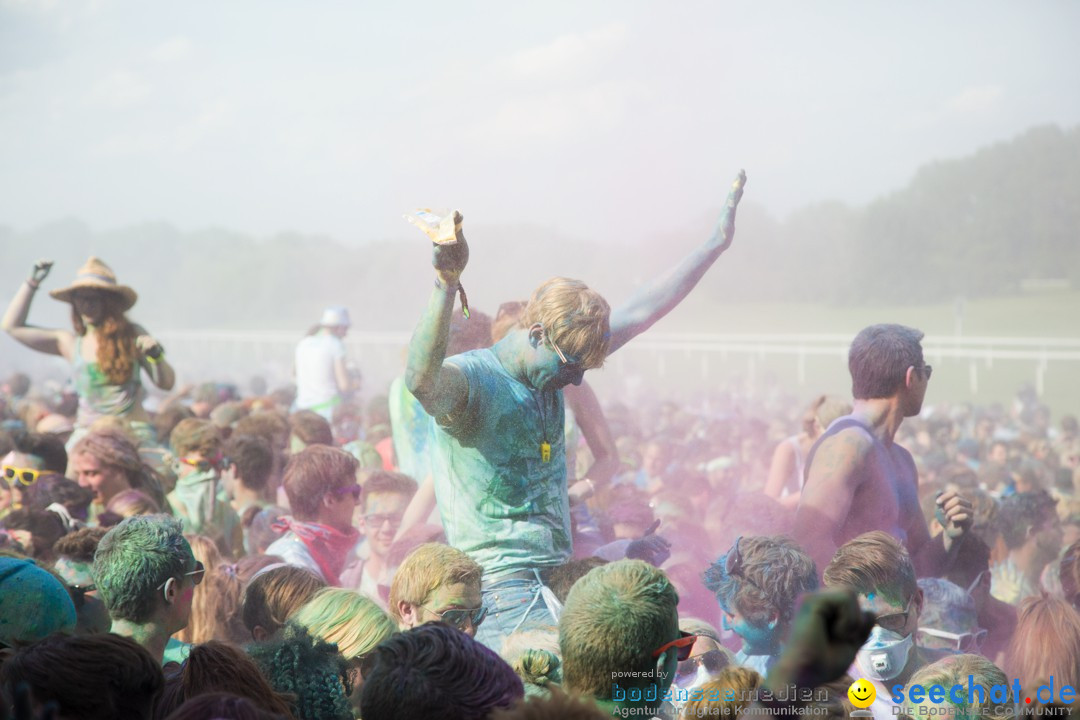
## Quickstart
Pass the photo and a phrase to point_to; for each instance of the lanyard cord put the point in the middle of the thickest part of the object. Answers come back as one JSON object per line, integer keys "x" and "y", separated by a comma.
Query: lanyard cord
{"x": 540, "y": 411}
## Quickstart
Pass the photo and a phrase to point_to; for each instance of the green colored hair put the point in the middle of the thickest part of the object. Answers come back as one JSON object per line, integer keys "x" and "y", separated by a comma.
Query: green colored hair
{"x": 311, "y": 670}
{"x": 346, "y": 618}
{"x": 614, "y": 617}
{"x": 134, "y": 559}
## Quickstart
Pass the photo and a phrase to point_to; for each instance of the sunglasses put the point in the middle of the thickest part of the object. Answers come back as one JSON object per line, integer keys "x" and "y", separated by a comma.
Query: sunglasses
{"x": 354, "y": 489}
{"x": 895, "y": 622}
{"x": 204, "y": 464}
{"x": 460, "y": 617}
{"x": 684, "y": 643}
{"x": 25, "y": 476}
{"x": 734, "y": 566}
{"x": 927, "y": 371}
{"x": 562, "y": 356}
{"x": 376, "y": 521}
{"x": 196, "y": 575}
{"x": 958, "y": 642}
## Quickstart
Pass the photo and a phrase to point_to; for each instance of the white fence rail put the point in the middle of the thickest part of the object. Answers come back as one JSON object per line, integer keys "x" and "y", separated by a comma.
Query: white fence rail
{"x": 238, "y": 356}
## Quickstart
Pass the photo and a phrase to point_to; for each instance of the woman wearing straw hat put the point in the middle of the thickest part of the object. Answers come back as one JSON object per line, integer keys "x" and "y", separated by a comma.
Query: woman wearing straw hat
{"x": 106, "y": 350}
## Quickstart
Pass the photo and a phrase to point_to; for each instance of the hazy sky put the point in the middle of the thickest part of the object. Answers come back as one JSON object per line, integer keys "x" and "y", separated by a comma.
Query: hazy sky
{"x": 601, "y": 119}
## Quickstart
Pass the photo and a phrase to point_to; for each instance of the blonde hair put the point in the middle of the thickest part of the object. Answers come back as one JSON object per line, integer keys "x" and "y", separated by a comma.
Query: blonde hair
{"x": 201, "y": 627}
{"x": 737, "y": 683}
{"x": 346, "y": 618}
{"x": 574, "y": 317}
{"x": 955, "y": 670}
{"x": 426, "y": 569}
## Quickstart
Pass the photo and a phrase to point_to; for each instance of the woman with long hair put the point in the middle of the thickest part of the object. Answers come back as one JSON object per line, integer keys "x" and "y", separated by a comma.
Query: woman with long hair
{"x": 107, "y": 463}
{"x": 106, "y": 350}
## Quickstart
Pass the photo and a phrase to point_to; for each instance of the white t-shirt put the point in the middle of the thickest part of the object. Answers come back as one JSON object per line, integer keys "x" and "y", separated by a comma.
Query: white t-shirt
{"x": 316, "y": 384}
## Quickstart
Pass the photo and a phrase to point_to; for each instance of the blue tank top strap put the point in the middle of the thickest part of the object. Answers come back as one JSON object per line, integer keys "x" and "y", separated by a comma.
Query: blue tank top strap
{"x": 839, "y": 424}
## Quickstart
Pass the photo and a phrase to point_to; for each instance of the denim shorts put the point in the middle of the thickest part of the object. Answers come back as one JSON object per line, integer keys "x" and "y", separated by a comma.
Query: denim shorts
{"x": 516, "y": 604}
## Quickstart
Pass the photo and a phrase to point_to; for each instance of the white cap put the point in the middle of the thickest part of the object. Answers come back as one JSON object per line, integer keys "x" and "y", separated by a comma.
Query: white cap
{"x": 335, "y": 316}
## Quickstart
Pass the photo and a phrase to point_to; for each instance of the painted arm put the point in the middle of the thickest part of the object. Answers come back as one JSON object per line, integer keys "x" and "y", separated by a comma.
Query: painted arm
{"x": 160, "y": 371}
{"x": 827, "y": 495}
{"x": 660, "y": 297}
{"x": 590, "y": 418}
{"x": 419, "y": 508}
{"x": 933, "y": 556}
{"x": 441, "y": 388}
{"x": 52, "y": 342}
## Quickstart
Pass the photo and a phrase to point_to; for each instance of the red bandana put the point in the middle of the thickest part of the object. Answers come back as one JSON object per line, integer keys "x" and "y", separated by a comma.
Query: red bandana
{"x": 328, "y": 547}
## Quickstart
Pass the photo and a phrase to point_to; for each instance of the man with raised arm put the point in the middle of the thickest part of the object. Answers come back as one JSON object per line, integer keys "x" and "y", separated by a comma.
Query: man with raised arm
{"x": 858, "y": 479}
{"x": 500, "y": 469}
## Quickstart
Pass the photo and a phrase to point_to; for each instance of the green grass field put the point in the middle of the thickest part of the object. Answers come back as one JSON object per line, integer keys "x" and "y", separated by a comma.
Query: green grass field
{"x": 681, "y": 374}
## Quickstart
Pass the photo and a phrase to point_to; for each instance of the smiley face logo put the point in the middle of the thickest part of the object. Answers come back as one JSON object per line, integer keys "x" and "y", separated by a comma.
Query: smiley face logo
{"x": 862, "y": 693}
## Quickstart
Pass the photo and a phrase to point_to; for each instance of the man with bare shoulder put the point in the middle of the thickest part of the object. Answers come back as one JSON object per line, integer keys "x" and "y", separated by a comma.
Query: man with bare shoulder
{"x": 858, "y": 479}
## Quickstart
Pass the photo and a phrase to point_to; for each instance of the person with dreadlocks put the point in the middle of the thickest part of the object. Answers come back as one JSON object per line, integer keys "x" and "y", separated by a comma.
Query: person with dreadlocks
{"x": 106, "y": 350}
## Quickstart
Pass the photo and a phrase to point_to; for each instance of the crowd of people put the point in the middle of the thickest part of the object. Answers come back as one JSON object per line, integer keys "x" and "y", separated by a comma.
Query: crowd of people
{"x": 489, "y": 540}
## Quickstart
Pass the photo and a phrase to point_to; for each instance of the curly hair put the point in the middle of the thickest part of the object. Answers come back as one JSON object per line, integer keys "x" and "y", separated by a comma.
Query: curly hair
{"x": 80, "y": 545}
{"x": 116, "y": 354}
{"x": 774, "y": 574}
{"x": 311, "y": 670}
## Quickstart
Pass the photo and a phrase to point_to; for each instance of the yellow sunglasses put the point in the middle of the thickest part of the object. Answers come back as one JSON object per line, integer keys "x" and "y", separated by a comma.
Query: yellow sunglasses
{"x": 25, "y": 476}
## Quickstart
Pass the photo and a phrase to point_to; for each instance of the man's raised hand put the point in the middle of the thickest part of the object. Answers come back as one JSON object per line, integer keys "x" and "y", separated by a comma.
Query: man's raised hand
{"x": 450, "y": 252}
{"x": 725, "y": 230}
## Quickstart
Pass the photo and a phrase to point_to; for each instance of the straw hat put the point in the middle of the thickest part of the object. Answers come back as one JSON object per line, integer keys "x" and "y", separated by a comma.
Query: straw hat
{"x": 96, "y": 275}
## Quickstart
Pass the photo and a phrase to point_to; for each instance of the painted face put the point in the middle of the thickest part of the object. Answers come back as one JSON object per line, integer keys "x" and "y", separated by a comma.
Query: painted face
{"x": 104, "y": 481}
{"x": 456, "y": 596}
{"x": 757, "y": 639}
{"x": 19, "y": 461}
{"x": 90, "y": 305}
{"x": 381, "y": 520}
{"x": 550, "y": 371}
{"x": 894, "y": 615}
